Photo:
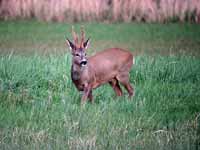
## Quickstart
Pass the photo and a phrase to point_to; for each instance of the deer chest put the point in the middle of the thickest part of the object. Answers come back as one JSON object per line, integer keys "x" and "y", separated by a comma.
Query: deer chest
{"x": 76, "y": 79}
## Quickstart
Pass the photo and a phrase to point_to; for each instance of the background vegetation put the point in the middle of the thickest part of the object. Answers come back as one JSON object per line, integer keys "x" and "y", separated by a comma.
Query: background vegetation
{"x": 102, "y": 10}
{"x": 40, "y": 107}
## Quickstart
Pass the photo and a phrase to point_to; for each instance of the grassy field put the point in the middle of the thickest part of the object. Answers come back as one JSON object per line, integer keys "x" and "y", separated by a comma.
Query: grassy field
{"x": 40, "y": 107}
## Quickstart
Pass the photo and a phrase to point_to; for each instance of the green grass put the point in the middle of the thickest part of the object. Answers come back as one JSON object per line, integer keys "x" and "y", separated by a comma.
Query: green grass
{"x": 40, "y": 107}
{"x": 30, "y": 37}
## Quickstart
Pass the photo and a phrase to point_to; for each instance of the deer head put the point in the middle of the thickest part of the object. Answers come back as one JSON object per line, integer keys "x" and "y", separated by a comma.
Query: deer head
{"x": 78, "y": 50}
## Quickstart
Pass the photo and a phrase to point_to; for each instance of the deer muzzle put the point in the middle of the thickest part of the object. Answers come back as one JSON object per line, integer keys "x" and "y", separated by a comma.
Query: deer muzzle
{"x": 83, "y": 62}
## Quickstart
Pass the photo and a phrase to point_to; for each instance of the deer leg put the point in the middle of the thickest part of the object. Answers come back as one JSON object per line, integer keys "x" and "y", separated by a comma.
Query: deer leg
{"x": 124, "y": 80}
{"x": 129, "y": 88}
{"x": 116, "y": 87}
{"x": 119, "y": 88}
{"x": 86, "y": 93}
{"x": 90, "y": 96}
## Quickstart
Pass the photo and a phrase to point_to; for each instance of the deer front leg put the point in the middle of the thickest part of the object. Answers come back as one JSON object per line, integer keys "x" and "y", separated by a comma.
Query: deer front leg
{"x": 86, "y": 93}
{"x": 90, "y": 96}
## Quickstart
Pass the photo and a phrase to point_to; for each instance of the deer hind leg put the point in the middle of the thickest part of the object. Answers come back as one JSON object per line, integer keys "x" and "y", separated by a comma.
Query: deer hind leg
{"x": 124, "y": 80}
{"x": 116, "y": 87}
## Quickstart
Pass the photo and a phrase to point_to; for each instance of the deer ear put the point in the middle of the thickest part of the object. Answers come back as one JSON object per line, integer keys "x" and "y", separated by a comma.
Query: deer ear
{"x": 86, "y": 43}
{"x": 71, "y": 45}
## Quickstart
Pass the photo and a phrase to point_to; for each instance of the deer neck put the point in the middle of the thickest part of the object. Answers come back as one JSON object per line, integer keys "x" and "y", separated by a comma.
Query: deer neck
{"x": 77, "y": 71}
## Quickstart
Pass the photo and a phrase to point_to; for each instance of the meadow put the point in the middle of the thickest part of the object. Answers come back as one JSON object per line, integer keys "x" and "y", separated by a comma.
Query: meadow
{"x": 40, "y": 107}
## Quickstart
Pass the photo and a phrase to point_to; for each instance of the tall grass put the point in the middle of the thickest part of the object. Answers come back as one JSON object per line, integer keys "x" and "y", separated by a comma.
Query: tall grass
{"x": 40, "y": 108}
{"x": 102, "y": 10}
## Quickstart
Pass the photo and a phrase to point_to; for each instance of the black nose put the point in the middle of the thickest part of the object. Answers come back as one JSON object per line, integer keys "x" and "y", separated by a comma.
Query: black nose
{"x": 83, "y": 63}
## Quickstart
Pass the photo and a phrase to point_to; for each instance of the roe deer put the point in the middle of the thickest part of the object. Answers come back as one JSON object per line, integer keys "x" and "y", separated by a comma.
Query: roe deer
{"x": 109, "y": 66}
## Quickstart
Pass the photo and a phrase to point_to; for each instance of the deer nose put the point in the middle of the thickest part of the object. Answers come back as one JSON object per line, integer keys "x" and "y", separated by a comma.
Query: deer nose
{"x": 83, "y": 62}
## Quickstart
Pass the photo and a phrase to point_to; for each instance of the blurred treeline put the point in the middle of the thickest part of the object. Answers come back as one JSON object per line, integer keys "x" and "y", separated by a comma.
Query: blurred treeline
{"x": 102, "y": 10}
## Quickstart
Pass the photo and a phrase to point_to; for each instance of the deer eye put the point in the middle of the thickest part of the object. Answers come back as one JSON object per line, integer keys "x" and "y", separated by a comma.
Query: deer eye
{"x": 77, "y": 55}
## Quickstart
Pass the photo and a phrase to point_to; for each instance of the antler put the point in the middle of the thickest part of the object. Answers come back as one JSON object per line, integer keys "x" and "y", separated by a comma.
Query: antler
{"x": 82, "y": 36}
{"x": 74, "y": 36}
